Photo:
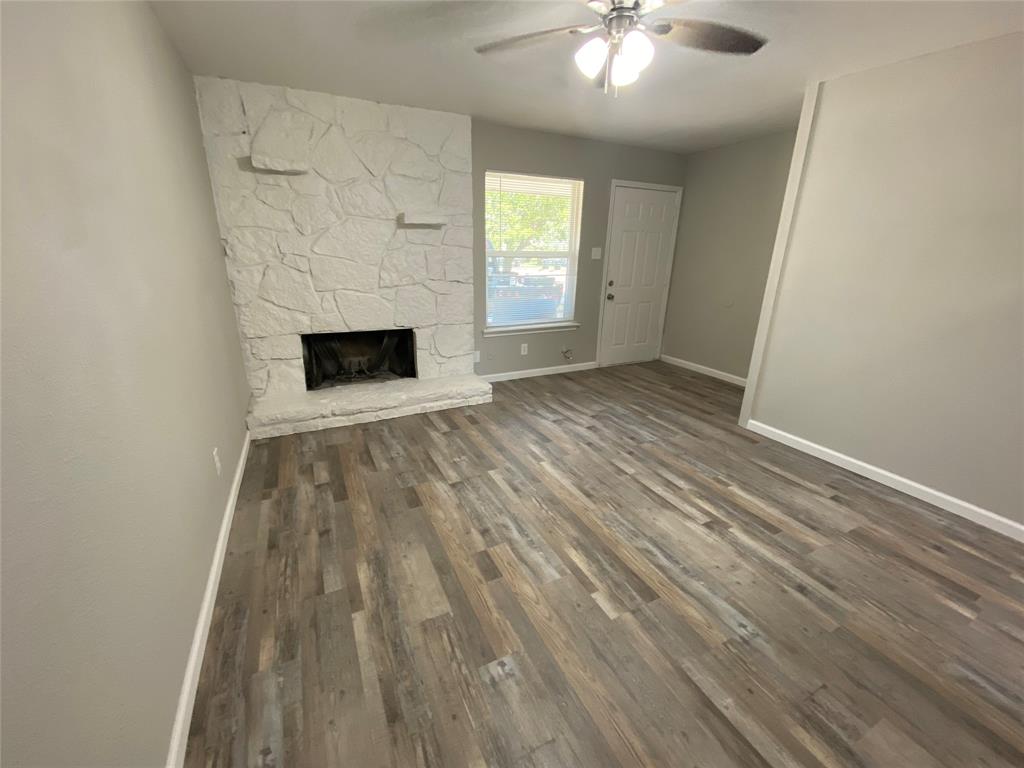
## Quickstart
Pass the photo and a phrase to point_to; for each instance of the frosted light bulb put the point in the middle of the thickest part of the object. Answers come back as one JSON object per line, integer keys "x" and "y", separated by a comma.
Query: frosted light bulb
{"x": 591, "y": 55}
{"x": 622, "y": 73}
{"x": 638, "y": 50}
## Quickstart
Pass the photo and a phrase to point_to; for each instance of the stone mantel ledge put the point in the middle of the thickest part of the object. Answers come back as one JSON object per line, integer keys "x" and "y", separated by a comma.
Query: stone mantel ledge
{"x": 287, "y": 414}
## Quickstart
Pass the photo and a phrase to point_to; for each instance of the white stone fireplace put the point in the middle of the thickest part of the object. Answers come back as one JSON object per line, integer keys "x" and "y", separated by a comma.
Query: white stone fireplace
{"x": 341, "y": 215}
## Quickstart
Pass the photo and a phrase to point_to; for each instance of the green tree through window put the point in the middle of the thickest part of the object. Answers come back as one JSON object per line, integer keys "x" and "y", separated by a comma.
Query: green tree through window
{"x": 521, "y": 221}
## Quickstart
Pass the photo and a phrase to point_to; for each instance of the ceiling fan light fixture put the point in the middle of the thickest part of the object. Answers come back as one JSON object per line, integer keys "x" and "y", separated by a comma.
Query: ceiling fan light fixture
{"x": 624, "y": 44}
{"x": 591, "y": 55}
{"x": 638, "y": 50}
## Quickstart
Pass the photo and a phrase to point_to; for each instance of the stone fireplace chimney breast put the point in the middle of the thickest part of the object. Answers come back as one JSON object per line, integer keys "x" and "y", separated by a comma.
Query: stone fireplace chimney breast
{"x": 341, "y": 215}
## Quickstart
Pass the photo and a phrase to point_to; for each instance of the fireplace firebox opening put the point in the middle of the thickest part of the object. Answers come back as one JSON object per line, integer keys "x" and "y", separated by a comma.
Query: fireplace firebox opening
{"x": 333, "y": 359}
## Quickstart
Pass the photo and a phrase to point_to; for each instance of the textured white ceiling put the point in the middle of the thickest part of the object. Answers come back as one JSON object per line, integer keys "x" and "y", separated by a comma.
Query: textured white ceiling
{"x": 421, "y": 54}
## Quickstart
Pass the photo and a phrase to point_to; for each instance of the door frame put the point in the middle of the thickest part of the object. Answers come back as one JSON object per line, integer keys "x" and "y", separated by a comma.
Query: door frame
{"x": 616, "y": 185}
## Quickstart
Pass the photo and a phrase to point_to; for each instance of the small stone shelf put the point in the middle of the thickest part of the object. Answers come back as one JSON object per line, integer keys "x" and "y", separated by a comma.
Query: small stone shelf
{"x": 421, "y": 221}
{"x": 360, "y": 403}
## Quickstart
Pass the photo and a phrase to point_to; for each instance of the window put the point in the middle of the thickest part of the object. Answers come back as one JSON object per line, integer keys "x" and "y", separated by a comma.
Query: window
{"x": 532, "y": 235}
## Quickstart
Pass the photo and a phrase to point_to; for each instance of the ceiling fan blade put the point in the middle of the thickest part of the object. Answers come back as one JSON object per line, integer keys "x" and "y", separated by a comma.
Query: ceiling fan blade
{"x": 706, "y": 36}
{"x": 650, "y": 6}
{"x": 530, "y": 37}
{"x": 600, "y": 7}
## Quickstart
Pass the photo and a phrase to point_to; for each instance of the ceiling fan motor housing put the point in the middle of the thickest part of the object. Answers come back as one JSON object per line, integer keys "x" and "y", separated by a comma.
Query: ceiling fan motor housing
{"x": 620, "y": 20}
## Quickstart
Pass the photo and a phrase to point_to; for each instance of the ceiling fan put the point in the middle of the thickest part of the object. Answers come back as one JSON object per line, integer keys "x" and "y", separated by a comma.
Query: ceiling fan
{"x": 624, "y": 49}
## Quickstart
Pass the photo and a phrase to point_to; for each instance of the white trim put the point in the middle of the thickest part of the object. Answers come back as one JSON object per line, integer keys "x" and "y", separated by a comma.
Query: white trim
{"x": 771, "y": 289}
{"x": 645, "y": 185}
{"x": 604, "y": 274}
{"x": 617, "y": 183}
{"x": 532, "y": 175}
{"x": 732, "y": 378}
{"x": 519, "y": 330}
{"x": 187, "y": 697}
{"x": 942, "y": 500}
{"x": 507, "y": 375}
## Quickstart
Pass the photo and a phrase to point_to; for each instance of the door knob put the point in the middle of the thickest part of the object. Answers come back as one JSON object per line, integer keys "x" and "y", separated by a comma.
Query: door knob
{"x": 610, "y": 296}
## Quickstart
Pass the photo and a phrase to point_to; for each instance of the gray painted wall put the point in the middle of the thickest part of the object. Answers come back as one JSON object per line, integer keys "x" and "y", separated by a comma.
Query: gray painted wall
{"x": 121, "y": 372}
{"x": 518, "y": 150}
{"x": 898, "y": 331}
{"x": 730, "y": 216}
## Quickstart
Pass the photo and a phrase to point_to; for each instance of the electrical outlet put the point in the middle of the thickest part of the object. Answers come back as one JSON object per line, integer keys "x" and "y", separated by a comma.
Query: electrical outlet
{"x": 216, "y": 461}
{"x": 524, "y": 348}
{"x": 595, "y": 254}
{"x": 476, "y": 356}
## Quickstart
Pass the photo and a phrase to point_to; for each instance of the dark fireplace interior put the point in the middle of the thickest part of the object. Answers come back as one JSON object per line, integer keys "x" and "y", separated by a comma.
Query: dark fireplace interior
{"x": 332, "y": 359}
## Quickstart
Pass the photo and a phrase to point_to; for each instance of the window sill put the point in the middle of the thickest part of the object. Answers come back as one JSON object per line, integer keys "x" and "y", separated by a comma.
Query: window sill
{"x": 518, "y": 330}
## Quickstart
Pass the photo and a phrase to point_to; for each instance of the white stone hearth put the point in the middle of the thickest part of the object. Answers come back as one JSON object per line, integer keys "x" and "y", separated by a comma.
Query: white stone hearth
{"x": 359, "y": 403}
{"x": 340, "y": 214}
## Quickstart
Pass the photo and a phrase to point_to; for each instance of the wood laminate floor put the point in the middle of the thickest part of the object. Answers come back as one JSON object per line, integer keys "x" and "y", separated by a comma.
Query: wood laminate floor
{"x": 601, "y": 569}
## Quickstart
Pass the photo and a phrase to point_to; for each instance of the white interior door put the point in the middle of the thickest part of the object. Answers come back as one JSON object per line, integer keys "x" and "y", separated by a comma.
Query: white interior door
{"x": 641, "y": 243}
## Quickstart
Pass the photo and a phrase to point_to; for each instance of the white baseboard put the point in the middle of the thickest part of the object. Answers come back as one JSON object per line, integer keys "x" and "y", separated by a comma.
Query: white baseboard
{"x": 537, "y": 372}
{"x": 714, "y": 373}
{"x": 942, "y": 500}
{"x": 187, "y": 697}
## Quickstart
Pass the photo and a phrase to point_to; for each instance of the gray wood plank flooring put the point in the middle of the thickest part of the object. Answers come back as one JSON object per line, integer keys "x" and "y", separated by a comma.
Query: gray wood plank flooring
{"x": 601, "y": 569}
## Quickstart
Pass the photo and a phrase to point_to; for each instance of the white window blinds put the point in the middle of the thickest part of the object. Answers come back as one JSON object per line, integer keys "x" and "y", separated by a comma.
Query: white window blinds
{"x": 532, "y": 228}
